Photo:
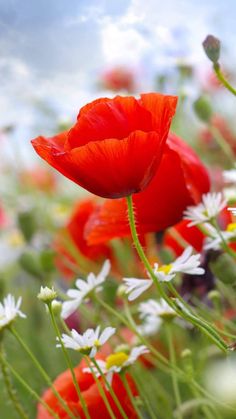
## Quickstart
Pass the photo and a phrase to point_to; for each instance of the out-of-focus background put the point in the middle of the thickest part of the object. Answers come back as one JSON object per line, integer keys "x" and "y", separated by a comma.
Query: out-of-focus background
{"x": 55, "y": 55}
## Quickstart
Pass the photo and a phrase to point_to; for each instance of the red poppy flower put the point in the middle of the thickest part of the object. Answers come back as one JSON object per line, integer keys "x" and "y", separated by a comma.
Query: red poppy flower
{"x": 180, "y": 181}
{"x": 116, "y": 145}
{"x": 96, "y": 406}
{"x": 75, "y": 231}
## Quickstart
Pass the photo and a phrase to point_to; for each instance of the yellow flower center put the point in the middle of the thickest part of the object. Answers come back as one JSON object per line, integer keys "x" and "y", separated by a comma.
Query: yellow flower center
{"x": 231, "y": 227}
{"x": 165, "y": 268}
{"x": 97, "y": 343}
{"x": 116, "y": 360}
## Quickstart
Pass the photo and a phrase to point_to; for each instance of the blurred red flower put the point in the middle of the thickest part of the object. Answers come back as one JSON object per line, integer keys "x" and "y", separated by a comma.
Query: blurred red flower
{"x": 96, "y": 406}
{"x": 116, "y": 145}
{"x": 180, "y": 235}
{"x": 39, "y": 178}
{"x": 180, "y": 181}
{"x": 118, "y": 78}
{"x": 2, "y": 217}
{"x": 75, "y": 231}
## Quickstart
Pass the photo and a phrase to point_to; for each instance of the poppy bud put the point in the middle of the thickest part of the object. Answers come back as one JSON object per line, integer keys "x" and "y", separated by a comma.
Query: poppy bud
{"x": 27, "y": 224}
{"x": 31, "y": 264}
{"x": 223, "y": 267}
{"x": 203, "y": 109}
{"x": 211, "y": 47}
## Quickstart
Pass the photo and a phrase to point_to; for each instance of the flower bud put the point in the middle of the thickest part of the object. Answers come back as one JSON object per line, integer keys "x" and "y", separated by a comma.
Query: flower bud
{"x": 56, "y": 307}
{"x": 121, "y": 291}
{"x": 29, "y": 261}
{"x": 47, "y": 295}
{"x": 223, "y": 267}
{"x": 214, "y": 296}
{"x": 27, "y": 224}
{"x": 211, "y": 47}
{"x": 203, "y": 109}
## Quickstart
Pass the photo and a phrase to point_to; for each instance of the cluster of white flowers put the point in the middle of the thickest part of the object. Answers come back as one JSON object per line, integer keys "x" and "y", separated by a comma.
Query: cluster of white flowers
{"x": 84, "y": 288}
{"x": 186, "y": 263}
{"x": 9, "y": 310}
{"x": 117, "y": 362}
{"x": 89, "y": 342}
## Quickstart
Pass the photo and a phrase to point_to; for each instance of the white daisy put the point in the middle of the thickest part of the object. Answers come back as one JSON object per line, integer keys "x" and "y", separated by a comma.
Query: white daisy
{"x": 9, "y": 310}
{"x": 186, "y": 263}
{"x": 229, "y": 176}
{"x": 209, "y": 208}
{"x": 150, "y": 326}
{"x": 135, "y": 287}
{"x": 155, "y": 309}
{"x": 84, "y": 288}
{"x": 89, "y": 342}
{"x": 117, "y": 361}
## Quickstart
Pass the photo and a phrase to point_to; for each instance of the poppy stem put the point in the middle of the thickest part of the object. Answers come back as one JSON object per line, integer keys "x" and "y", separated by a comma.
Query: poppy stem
{"x": 42, "y": 372}
{"x": 68, "y": 361}
{"x": 222, "y": 79}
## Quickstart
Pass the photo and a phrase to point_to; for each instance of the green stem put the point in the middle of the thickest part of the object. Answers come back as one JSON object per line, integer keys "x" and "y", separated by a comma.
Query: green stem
{"x": 68, "y": 361}
{"x": 9, "y": 386}
{"x": 42, "y": 372}
{"x": 188, "y": 316}
{"x": 165, "y": 365}
{"x": 222, "y": 79}
{"x": 131, "y": 396}
{"x": 225, "y": 245}
{"x": 100, "y": 389}
{"x": 173, "y": 374}
{"x": 29, "y": 389}
{"x": 222, "y": 143}
{"x": 145, "y": 399}
{"x": 115, "y": 398}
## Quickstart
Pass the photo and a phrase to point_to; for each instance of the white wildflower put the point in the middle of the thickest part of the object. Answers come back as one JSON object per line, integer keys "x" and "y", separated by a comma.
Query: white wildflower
{"x": 229, "y": 176}
{"x": 117, "y": 361}
{"x": 135, "y": 287}
{"x": 89, "y": 342}
{"x": 186, "y": 263}
{"x": 211, "y": 205}
{"x": 155, "y": 309}
{"x": 9, "y": 310}
{"x": 84, "y": 288}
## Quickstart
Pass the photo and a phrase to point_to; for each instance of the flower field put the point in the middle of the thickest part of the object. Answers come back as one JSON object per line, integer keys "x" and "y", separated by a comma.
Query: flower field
{"x": 118, "y": 252}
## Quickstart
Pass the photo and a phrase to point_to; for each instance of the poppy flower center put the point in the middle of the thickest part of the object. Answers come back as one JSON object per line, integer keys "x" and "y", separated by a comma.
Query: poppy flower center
{"x": 116, "y": 360}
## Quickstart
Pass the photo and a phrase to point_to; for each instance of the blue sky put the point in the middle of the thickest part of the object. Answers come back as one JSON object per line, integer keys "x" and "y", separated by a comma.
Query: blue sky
{"x": 52, "y": 49}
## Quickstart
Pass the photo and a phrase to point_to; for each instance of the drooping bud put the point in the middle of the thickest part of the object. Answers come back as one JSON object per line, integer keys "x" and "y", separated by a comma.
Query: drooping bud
{"x": 211, "y": 47}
